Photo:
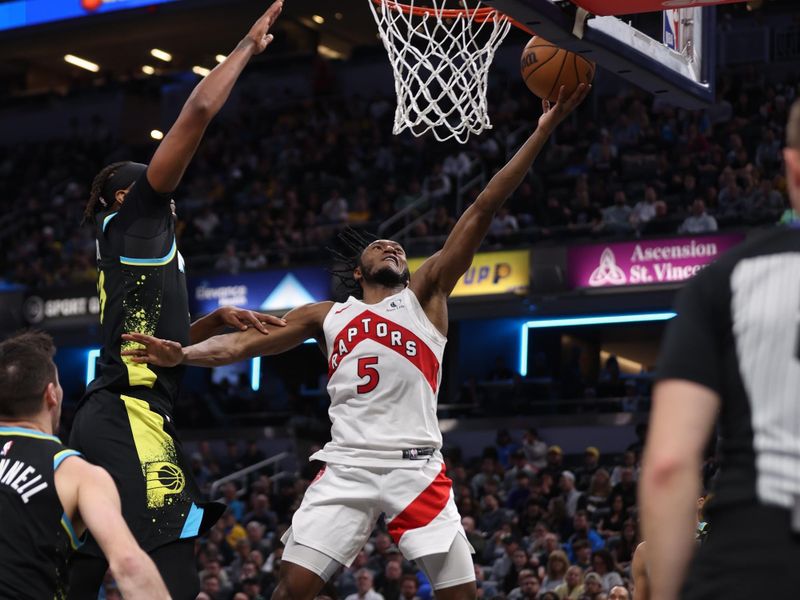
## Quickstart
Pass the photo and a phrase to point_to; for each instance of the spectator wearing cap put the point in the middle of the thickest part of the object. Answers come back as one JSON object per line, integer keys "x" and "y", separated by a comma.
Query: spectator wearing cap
{"x": 583, "y": 531}
{"x": 571, "y": 496}
{"x": 535, "y": 449}
{"x": 593, "y": 587}
{"x": 556, "y": 570}
{"x": 555, "y": 462}
{"x": 584, "y": 473}
{"x": 572, "y": 588}
{"x": 364, "y": 589}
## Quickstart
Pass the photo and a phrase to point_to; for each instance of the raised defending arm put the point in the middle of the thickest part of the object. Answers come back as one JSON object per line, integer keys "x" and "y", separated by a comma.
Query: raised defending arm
{"x": 179, "y": 145}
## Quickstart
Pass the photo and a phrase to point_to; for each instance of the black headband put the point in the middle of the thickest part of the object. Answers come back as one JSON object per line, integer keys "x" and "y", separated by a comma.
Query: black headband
{"x": 121, "y": 179}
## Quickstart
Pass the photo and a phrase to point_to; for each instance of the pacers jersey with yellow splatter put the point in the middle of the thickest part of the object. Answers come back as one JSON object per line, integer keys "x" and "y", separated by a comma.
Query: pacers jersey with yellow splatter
{"x": 142, "y": 288}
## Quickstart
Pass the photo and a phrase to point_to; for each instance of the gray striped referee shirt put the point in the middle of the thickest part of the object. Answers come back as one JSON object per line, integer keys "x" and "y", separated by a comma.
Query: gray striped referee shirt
{"x": 737, "y": 332}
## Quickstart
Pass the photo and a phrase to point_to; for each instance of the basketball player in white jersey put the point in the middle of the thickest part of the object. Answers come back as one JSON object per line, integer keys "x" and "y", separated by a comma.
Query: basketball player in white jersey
{"x": 384, "y": 357}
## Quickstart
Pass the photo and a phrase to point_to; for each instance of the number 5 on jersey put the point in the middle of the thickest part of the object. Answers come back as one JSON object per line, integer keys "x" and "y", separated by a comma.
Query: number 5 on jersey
{"x": 367, "y": 370}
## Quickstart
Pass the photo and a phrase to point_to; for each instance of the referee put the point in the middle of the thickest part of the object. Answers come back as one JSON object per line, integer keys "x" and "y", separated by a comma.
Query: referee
{"x": 731, "y": 353}
{"x": 49, "y": 495}
{"x": 124, "y": 422}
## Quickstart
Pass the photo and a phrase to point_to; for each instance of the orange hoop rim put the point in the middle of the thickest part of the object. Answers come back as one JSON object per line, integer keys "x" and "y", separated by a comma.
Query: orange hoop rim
{"x": 486, "y": 13}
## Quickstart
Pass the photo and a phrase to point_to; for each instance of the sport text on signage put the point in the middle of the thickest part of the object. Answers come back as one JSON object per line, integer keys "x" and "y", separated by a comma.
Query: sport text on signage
{"x": 645, "y": 262}
{"x": 491, "y": 273}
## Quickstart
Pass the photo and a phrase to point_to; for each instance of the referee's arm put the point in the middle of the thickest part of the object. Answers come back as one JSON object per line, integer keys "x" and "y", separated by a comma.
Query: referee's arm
{"x": 680, "y": 424}
{"x": 686, "y": 401}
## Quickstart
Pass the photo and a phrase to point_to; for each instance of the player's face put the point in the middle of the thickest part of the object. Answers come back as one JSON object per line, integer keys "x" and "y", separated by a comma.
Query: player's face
{"x": 384, "y": 262}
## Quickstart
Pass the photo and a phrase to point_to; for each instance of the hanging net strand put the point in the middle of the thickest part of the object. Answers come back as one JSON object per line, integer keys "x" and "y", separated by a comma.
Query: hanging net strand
{"x": 441, "y": 59}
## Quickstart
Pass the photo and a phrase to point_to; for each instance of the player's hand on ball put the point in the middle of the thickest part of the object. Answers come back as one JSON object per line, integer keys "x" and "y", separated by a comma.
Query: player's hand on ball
{"x": 162, "y": 353}
{"x": 553, "y": 114}
{"x": 243, "y": 319}
{"x": 259, "y": 34}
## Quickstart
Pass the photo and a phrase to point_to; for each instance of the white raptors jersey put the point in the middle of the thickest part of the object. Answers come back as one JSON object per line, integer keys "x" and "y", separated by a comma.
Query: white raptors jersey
{"x": 384, "y": 367}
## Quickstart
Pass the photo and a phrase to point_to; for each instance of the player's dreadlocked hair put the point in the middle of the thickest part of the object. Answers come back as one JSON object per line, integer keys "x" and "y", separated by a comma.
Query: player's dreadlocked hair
{"x": 97, "y": 189}
{"x": 353, "y": 243}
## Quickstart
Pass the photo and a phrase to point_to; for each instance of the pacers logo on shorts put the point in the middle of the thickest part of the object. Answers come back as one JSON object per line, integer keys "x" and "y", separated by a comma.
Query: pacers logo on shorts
{"x": 163, "y": 479}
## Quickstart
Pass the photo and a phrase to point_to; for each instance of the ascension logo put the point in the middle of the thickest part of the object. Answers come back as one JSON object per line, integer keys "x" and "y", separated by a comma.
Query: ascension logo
{"x": 607, "y": 272}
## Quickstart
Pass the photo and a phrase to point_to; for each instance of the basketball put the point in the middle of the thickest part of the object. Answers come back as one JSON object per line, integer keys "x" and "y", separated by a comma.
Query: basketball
{"x": 545, "y": 68}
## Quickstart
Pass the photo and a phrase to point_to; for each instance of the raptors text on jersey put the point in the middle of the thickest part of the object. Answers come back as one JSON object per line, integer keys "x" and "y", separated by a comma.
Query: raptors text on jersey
{"x": 384, "y": 367}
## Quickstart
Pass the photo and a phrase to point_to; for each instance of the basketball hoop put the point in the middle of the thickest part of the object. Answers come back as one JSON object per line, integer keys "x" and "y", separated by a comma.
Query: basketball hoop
{"x": 440, "y": 58}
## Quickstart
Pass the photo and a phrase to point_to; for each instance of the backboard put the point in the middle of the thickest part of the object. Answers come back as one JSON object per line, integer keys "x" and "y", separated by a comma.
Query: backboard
{"x": 678, "y": 68}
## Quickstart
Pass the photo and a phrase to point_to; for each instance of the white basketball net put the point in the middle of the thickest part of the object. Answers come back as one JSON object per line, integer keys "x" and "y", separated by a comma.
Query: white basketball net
{"x": 441, "y": 66}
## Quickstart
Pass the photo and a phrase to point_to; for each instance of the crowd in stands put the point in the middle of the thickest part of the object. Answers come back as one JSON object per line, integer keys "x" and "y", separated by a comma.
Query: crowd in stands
{"x": 272, "y": 184}
{"x": 542, "y": 526}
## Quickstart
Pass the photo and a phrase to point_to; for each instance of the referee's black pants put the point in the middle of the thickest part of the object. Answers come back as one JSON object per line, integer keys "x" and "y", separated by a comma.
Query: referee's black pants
{"x": 751, "y": 554}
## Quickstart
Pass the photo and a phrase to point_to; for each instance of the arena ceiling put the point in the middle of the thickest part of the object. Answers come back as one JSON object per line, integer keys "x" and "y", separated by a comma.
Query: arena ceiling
{"x": 193, "y": 31}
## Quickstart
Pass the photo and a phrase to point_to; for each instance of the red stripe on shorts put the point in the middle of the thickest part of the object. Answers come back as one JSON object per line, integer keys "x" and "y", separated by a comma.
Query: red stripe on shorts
{"x": 424, "y": 508}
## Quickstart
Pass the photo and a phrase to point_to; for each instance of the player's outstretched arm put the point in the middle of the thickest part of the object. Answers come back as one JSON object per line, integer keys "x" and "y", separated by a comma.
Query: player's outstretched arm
{"x": 240, "y": 319}
{"x": 301, "y": 324}
{"x": 89, "y": 493}
{"x": 463, "y": 242}
{"x": 179, "y": 145}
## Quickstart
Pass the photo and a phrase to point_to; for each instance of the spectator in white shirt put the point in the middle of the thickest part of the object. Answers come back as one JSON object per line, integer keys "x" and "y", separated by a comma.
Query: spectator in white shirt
{"x": 699, "y": 221}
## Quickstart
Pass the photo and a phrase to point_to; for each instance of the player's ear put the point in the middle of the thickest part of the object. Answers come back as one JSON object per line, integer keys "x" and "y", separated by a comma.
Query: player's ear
{"x": 357, "y": 274}
{"x": 51, "y": 395}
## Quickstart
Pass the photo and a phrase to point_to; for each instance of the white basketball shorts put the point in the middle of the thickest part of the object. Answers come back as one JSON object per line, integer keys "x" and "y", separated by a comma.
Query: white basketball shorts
{"x": 342, "y": 504}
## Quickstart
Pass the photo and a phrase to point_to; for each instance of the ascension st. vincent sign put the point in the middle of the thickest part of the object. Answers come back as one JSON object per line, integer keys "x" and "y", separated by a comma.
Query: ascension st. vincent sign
{"x": 645, "y": 262}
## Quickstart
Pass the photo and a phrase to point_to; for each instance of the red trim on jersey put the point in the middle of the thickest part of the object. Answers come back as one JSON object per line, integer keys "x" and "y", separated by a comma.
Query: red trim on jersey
{"x": 423, "y": 358}
{"x": 424, "y": 508}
